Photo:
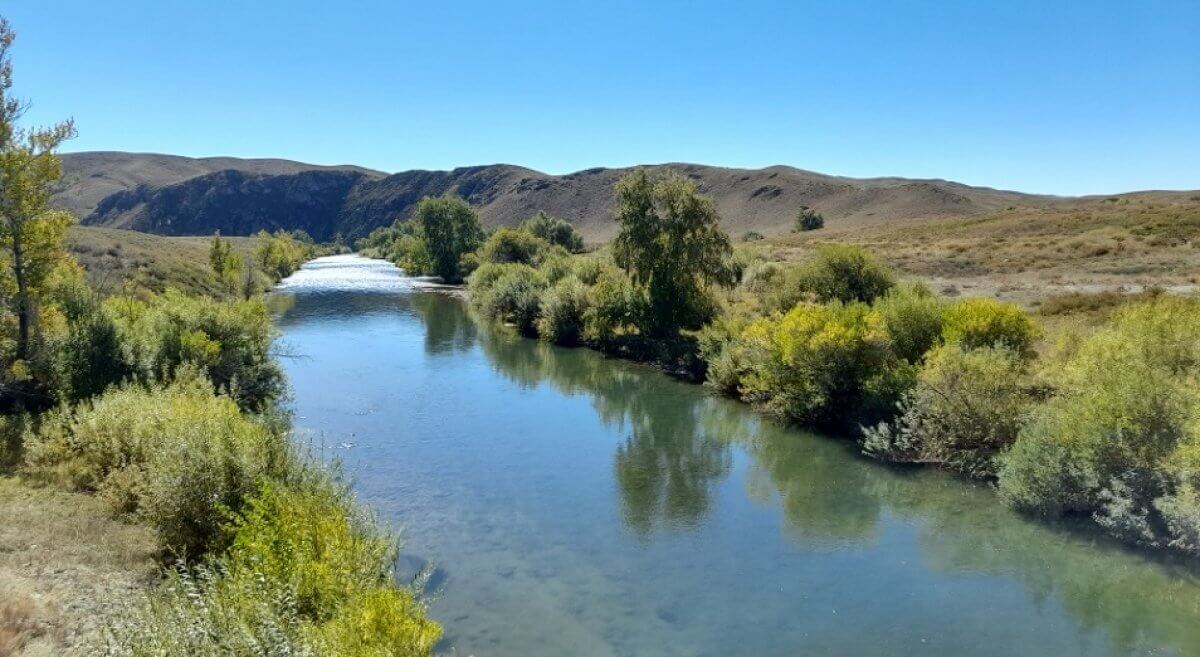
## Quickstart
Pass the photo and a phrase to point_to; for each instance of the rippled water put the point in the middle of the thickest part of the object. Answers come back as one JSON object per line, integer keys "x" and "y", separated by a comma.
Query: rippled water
{"x": 576, "y": 505}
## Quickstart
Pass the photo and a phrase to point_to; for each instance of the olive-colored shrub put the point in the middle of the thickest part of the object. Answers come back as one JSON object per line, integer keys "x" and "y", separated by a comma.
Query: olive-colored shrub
{"x": 966, "y": 407}
{"x": 912, "y": 316}
{"x": 563, "y": 307}
{"x": 177, "y": 455}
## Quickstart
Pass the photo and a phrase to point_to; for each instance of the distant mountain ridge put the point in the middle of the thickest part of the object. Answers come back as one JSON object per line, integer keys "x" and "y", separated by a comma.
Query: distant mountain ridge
{"x": 175, "y": 195}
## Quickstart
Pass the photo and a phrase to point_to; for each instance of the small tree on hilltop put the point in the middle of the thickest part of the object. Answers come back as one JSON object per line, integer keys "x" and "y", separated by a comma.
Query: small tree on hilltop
{"x": 672, "y": 246}
{"x": 31, "y": 234}
{"x": 451, "y": 230}
{"x": 808, "y": 219}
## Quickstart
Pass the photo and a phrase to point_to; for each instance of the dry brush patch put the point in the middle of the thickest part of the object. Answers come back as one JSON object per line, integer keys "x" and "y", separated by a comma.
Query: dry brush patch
{"x": 64, "y": 562}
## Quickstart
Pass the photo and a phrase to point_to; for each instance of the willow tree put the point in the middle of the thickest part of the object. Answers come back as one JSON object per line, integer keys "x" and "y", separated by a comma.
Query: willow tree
{"x": 451, "y": 230}
{"x": 672, "y": 246}
{"x": 31, "y": 234}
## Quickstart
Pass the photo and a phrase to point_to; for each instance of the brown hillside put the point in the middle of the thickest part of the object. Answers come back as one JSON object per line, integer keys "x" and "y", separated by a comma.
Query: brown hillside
{"x": 182, "y": 196}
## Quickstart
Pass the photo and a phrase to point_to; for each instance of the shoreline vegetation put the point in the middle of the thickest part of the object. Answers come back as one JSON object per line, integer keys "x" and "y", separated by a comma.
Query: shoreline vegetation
{"x": 151, "y": 416}
{"x": 1095, "y": 419}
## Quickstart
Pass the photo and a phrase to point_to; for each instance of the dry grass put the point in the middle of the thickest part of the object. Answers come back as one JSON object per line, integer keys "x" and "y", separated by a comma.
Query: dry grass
{"x": 118, "y": 260}
{"x": 64, "y": 564}
{"x": 1125, "y": 244}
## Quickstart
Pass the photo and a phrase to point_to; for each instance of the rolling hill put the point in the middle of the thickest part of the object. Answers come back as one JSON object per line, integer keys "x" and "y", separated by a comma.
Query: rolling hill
{"x": 174, "y": 195}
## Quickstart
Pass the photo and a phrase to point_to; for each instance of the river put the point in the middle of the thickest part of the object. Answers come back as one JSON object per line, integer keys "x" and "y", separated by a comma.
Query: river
{"x": 572, "y": 504}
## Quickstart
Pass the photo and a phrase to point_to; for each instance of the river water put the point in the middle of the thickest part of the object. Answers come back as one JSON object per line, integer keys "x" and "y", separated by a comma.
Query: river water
{"x": 572, "y": 504}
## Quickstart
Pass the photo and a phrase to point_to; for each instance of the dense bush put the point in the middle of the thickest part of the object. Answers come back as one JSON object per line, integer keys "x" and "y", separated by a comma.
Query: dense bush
{"x": 89, "y": 355}
{"x": 509, "y": 293}
{"x": 563, "y": 307}
{"x": 982, "y": 322}
{"x": 229, "y": 341}
{"x": 1119, "y": 441}
{"x": 835, "y": 273}
{"x": 913, "y": 318}
{"x": 555, "y": 231}
{"x": 280, "y": 254}
{"x": 966, "y": 407}
{"x": 824, "y": 364}
{"x": 306, "y": 574}
{"x": 513, "y": 245}
{"x": 615, "y": 308}
{"x": 808, "y": 219}
{"x": 177, "y": 455}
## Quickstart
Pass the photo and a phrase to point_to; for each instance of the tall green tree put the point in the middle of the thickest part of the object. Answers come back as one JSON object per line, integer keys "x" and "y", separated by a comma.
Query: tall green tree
{"x": 672, "y": 246}
{"x": 451, "y": 229}
{"x": 31, "y": 234}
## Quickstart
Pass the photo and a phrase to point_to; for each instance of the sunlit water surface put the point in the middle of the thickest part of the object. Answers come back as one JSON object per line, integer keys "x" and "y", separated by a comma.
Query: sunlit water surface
{"x": 577, "y": 505}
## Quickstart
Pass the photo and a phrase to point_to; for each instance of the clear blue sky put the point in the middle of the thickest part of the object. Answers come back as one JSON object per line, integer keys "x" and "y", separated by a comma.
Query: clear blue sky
{"x": 1057, "y": 97}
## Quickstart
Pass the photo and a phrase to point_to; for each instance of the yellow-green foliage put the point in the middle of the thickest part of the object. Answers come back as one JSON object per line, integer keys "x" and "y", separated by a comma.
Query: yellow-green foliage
{"x": 310, "y": 538}
{"x": 819, "y": 362}
{"x": 175, "y": 455}
{"x": 981, "y": 322}
{"x": 1120, "y": 439}
{"x": 306, "y": 574}
{"x": 280, "y": 254}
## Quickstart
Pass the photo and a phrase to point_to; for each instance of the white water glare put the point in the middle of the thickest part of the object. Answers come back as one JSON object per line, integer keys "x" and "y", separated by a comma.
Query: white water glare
{"x": 349, "y": 273}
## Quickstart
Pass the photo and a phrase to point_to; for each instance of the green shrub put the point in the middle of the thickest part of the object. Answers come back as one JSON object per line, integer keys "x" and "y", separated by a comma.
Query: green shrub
{"x": 177, "y": 455}
{"x": 821, "y": 364}
{"x": 306, "y": 574}
{"x": 982, "y": 322}
{"x": 751, "y": 236}
{"x": 513, "y": 297}
{"x": 720, "y": 347}
{"x": 966, "y": 407}
{"x": 229, "y": 341}
{"x": 562, "y": 312}
{"x": 514, "y": 245}
{"x": 89, "y": 356}
{"x": 280, "y": 254}
{"x": 913, "y": 318}
{"x": 1119, "y": 441}
{"x": 615, "y": 307}
{"x": 411, "y": 254}
{"x": 839, "y": 273}
{"x": 311, "y": 540}
{"x": 808, "y": 219}
{"x": 555, "y": 231}
{"x": 588, "y": 269}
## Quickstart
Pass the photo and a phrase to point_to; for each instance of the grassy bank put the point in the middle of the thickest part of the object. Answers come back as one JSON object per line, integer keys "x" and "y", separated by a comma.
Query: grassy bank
{"x": 177, "y": 433}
